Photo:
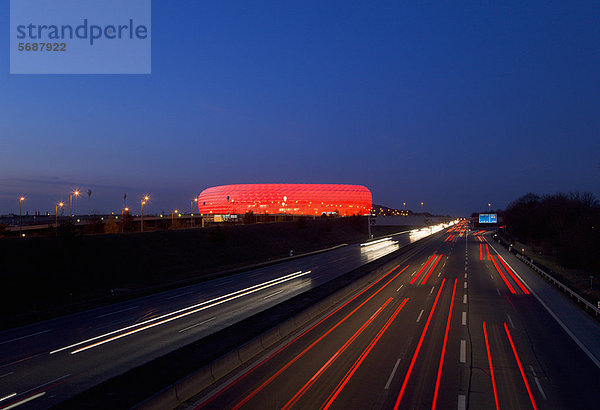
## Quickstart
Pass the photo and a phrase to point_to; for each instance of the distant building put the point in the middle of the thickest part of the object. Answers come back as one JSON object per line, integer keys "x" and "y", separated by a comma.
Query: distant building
{"x": 294, "y": 199}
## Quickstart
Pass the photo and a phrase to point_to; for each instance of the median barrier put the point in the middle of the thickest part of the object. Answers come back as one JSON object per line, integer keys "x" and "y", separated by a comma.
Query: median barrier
{"x": 188, "y": 386}
{"x": 225, "y": 364}
{"x": 301, "y": 318}
{"x": 166, "y": 399}
{"x": 270, "y": 337}
{"x": 250, "y": 349}
{"x": 229, "y": 362}
{"x": 287, "y": 327}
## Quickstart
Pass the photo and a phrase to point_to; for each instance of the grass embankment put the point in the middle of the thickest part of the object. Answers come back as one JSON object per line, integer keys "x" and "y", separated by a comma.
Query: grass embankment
{"x": 48, "y": 276}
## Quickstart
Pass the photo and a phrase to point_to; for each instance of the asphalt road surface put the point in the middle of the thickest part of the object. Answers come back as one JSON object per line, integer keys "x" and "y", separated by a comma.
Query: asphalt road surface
{"x": 45, "y": 363}
{"x": 454, "y": 326}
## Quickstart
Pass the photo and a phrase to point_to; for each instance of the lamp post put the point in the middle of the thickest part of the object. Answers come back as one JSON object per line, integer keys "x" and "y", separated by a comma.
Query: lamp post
{"x": 21, "y": 199}
{"x": 76, "y": 193}
{"x": 60, "y": 204}
{"x": 143, "y": 202}
{"x": 489, "y": 207}
{"x": 173, "y": 217}
{"x": 123, "y": 212}
{"x": 421, "y": 206}
{"x": 192, "y": 209}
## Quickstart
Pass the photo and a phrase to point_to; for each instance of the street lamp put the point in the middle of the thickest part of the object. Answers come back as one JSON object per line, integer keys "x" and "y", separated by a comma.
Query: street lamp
{"x": 60, "y": 204}
{"x": 21, "y": 199}
{"x": 143, "y": 202}
{"x": 192, "y": 209}
{"x": 421, "y": 206}
{"x": 76, "y": 193}
{"x": 123, "y": 212}
{"x": 172, "y": 217}
{"x": 489, "y": 207}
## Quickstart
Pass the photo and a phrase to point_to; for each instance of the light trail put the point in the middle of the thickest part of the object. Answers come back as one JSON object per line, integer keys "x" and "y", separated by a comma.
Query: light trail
{"x": 414, "y": 358}
{"x": 510, "y": 339}
{"x": 313, "y": 344}
{"x": 362, "y": 357}
{"x": 489, "y": 354}
{"x": 188, "y": 311}
{"x": 439, "y": 375}
{"x": 423, "y": 268}
{"x": 333, "y": 358}
{"x": 512, "y": 275}
{"x": 25, "y": 400}
{"x": 432, "y": 269}
{"x": 510, "y": 287}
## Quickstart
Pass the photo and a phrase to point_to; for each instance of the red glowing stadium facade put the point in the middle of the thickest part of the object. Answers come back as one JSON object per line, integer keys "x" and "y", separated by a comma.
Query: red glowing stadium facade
{"x": 294, "y": 199}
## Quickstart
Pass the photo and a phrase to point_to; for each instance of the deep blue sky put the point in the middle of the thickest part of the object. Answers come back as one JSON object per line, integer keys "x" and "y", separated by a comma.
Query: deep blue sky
{"x": 452, "y": 103}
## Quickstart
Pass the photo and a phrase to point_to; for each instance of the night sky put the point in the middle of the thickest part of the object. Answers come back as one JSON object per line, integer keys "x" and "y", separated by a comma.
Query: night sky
{"x": 456, "y": 104}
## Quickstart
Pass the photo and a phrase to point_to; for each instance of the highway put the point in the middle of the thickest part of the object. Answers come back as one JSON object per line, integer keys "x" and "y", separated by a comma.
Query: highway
{"x": 457, "y": 325}
{"x": 45, "y": 363}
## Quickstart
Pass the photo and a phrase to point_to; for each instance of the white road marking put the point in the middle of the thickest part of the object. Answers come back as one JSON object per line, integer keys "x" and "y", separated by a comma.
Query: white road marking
{"x": 463, "y": 351}
{"x": 465, "y": 299}
{"x": 25, "y": 337}
{"x": 397, "y": 290}
{"x": 537, "y": 382}
{"x": 464, "y": 318}
{"x": 420, "y": 314}
{"x": 431, "y": 291}
{"x": 28, "y": 399}
{"x": 462, "y": 402}
{"x": 558, "y": 320}
{"x": 440, "y": 274}
{"x": 465, "y": 275}
{"x": 387, "y": 385}
{"x": 273, "y": 294}
{"x": 197, "y": 324}
{"x": 118, "y": 311}
{"x": 465, "y": 285}
{"x": 498, "y": 290}
{"x": 510, "y": 321}
{"x": 6, "y": 374}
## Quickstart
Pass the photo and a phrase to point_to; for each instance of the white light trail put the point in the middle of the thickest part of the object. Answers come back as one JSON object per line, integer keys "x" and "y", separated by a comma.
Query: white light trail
{"x": 180, "y": 313}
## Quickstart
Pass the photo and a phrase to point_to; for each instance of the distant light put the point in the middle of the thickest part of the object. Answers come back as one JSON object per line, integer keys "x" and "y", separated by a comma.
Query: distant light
{"x": 23, "y": 235}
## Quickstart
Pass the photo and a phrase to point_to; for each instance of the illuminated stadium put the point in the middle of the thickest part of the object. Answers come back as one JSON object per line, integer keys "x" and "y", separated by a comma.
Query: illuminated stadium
{"x": 294, "y": 199}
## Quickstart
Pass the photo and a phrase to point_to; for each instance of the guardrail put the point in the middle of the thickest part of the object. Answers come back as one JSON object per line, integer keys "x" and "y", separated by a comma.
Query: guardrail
{"x": 560, "y": 285}
{"x": 533, "y": 265}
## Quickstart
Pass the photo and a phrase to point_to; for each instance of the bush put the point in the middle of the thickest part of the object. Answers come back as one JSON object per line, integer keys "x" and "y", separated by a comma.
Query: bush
{"x": 111, "y": 226}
